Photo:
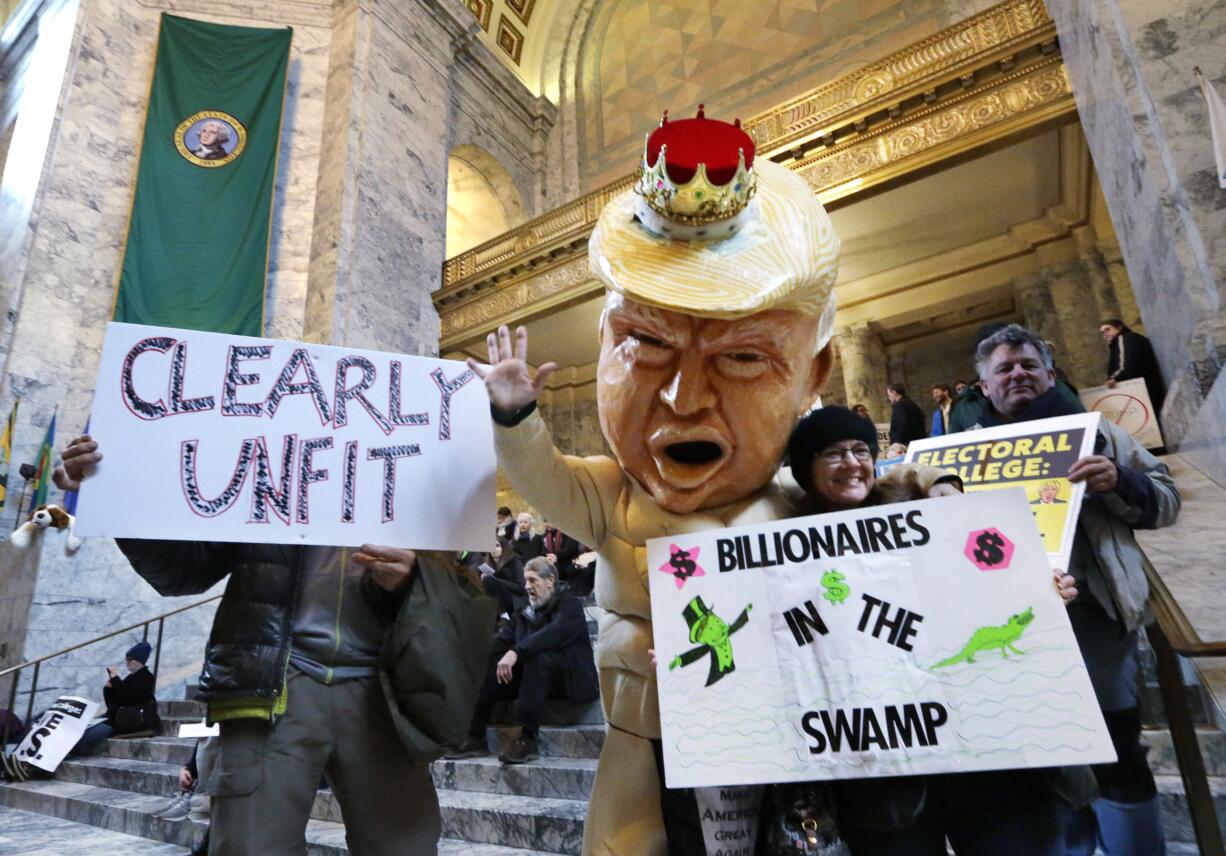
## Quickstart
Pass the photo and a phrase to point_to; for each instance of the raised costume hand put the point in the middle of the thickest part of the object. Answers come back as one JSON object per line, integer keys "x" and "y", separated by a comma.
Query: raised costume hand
{"x": 508, "y": 379}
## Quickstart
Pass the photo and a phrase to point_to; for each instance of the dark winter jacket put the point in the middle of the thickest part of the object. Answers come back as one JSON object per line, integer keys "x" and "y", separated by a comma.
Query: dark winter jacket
{"x": 907, "y": 422}
{"x": 1131, "y": 356}
{"x": 972, "y": 407}
{"x": 131, "y": 691}
{"x": 560, "y": 626}
{"x": 527, "y": 546}
{"x": 249, "y": 647}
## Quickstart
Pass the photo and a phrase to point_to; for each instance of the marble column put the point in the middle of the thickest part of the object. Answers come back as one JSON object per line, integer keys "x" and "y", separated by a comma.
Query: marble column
{"x": 1082, "y": 355}
{"x": 1101, "y": 287}
{"x": 1113, "y": 259}
{"x": 1038, "y": 311}
{"x": 863, "y": 358}
{"x": 377, "y": 245}
{"x": 1131, "y": 66}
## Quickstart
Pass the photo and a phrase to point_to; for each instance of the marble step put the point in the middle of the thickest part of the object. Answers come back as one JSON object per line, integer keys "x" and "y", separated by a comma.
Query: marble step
{"x": 24, "y": 833}
{"x": 497, "y": 817}
{"x": 166, "y": 750}
{"x": 1153, "y": 710}
{"x": 1176, "y": 822}
{"x": 130, "y": 813}
{"x": 575, "y": 741}
{"x": 545, "y": 823}
{"x": 571, "y": 741}
{"x": 567, "y": 778}
{"x": 557, "y": 713}
{"x": 1162, "y": 760}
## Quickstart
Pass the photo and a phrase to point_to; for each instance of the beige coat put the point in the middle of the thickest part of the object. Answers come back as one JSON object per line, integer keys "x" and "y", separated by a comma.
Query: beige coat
{"x": 593, "y": 500}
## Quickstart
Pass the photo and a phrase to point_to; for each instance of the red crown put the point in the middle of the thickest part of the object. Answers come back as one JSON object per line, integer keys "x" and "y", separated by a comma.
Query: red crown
{"x": 697, "y": 171}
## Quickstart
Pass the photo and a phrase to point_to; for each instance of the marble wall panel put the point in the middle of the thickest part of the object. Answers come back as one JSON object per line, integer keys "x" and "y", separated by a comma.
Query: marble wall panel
{"x": 66, "y": 295}
{"x": 1131, "y": 66}
{"x": 490, "y": 108}
{"x": 377, "y": 248}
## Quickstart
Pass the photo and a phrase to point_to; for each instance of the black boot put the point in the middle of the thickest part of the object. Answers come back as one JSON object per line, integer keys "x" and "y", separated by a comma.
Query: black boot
{"x": 474, "y": 746}
{"x": 521, "y": 750}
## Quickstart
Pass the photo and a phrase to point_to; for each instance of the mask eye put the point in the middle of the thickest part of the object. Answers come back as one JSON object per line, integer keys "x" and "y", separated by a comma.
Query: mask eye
{"x": 652, "y": 351}
{"x": 742, "y": 365}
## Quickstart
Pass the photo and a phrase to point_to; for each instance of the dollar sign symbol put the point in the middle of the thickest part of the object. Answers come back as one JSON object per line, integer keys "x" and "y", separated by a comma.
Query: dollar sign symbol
{"x": 988, "y": 550}
{"x": 683, "y": 565}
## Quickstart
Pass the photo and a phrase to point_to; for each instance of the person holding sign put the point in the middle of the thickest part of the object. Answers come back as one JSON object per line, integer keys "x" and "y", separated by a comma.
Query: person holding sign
{"x": 1130, "y": 355}
{"x": 714, "y": 341}
{"x": 292, "y": 673}
{"x": 1000, "y": 812}
{"x": 1127, "y": 488}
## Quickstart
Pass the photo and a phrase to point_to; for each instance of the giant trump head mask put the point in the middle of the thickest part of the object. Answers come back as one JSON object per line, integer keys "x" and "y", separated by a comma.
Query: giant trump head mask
{"x": 716, "y": 329}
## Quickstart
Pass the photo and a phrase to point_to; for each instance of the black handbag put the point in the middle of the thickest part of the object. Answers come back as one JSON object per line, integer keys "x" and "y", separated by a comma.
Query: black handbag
{"x": 132, "y": 718}
{"x": 799, "y": 820}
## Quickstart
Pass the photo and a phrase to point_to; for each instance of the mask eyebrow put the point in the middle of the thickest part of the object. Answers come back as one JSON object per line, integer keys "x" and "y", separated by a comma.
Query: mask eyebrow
{"x": 758, "y": 333}
{"x": 653, "y": 321}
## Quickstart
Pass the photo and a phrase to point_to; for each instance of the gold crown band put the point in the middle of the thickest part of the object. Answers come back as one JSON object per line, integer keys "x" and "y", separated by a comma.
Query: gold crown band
{"x": 698, "y": 201}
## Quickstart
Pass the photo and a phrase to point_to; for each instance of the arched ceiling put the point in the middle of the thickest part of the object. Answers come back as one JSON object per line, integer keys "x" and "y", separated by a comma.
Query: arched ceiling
{"x": 639, "y": 54}
{"x": 641, "y": 57}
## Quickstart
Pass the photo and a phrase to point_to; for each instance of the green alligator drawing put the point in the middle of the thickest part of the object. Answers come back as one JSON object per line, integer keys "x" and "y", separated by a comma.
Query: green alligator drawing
{"x": 987, "y": 638}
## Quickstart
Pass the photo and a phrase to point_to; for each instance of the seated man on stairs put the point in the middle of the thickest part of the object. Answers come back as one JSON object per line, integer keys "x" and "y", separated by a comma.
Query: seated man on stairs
{"x": 542, "y": 652}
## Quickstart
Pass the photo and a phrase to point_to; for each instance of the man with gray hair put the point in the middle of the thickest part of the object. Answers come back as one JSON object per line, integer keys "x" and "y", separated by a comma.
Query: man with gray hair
{"x": 543, "y": 651}
{"x": 1127, "y": 488}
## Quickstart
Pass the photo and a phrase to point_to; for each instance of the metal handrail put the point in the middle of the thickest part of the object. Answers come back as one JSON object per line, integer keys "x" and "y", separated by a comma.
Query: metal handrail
{"x": 37, "y": 663}
{"x": 118, "y": 632}
{"x": 1170, "y": 635}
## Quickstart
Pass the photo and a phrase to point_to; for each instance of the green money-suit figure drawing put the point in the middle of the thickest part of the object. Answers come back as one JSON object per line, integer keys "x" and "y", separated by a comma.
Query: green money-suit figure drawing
{"x": 712, "y": 634}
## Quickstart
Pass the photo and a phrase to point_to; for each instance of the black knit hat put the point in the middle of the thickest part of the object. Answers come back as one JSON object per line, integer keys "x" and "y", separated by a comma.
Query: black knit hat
{"x": 823, "y": 428}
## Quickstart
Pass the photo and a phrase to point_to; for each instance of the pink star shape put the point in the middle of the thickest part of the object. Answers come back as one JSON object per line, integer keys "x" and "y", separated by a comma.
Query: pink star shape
{"x": 679, "y": 562}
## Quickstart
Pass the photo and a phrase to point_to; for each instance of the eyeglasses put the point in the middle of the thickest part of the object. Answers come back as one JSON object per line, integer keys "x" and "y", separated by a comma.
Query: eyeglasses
{"x": 858, "y": 453}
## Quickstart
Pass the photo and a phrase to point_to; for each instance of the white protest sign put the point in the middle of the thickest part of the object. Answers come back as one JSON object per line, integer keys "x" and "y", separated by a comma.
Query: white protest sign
{"x": 1034, "y": 455}
{"x": 56, "y": 731}
{"x": 1128, "y": 406}
{"x": 883, "y": 436}
{"x": 920, "y": 637}
{"x": 214, "y": 437}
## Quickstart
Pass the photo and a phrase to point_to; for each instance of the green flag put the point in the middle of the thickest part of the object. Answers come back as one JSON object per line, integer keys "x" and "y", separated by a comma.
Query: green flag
{"x": 46, "y": 463}
{"x": 197, "y": 248}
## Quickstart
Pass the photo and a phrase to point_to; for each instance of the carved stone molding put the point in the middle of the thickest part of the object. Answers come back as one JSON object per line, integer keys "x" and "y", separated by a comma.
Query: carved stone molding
{"x": 997, "y": 31}
{"x": 514, "y": 302}
{"x": 956, "y": 127}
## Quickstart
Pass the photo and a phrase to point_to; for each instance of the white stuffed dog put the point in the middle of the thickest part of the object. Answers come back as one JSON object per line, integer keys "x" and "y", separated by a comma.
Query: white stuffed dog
{"x": 47, "y": 517}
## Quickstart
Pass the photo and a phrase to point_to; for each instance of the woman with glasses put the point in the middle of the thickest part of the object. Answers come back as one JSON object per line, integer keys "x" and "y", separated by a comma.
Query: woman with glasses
{"x": 997, "y": 813}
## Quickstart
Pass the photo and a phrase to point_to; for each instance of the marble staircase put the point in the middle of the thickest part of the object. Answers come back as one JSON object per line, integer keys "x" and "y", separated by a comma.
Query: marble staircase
{"x": 488, "y": 809}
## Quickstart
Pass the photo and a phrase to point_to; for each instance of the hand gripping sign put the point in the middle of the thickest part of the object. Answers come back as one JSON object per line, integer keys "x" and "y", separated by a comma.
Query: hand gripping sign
{"x": 1035, "y": 455}
{"x": 869, "y": 643}
{"x": 231, "y": 438}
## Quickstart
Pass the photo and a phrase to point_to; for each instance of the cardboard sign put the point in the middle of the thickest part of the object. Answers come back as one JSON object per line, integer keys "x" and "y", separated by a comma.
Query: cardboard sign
{"x": 228, "y": 438}
{"x": 883, "y": 436}
{"x": 56, "y": 731}
{"x": 920, "y": 637}
{"x": 1035, "y": 455}
{"x": 1129, "y": 407}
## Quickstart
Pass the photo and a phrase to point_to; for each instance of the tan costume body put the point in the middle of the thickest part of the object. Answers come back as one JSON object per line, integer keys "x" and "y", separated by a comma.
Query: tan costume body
{"x": 595, "y": 501}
